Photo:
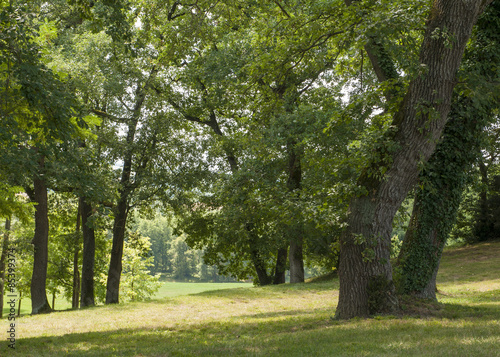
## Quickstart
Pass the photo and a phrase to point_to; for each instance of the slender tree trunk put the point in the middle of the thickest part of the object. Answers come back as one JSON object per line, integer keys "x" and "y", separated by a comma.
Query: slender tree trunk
{"x": 258, "y": 263}
{"x": 76, "y": 274}
{"x": 124, "y": 192}
{"x": 3, "y": 258}
{"x": 365, "y": 271}
{"x": 295, "y": 231}
{"x": 88, "y": 259}
{"x": 119, "y": 225}
{"x": 280, "y": 270}
{"x": 115, "y": 265}
{"x": 39, "y": 302}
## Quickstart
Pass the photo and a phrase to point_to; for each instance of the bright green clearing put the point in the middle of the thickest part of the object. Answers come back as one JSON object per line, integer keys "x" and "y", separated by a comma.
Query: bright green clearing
{"x": 168, "y": 289}
{"x": 178, "y": 289}
{"x": 287, "y": 320}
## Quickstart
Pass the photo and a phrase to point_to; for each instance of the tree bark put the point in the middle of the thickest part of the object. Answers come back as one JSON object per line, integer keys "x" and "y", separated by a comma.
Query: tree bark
{"x": 295, "y": 230}
{"x": 88, "y": 259}
{"x": 115, "y": 265}
{"x": 444, "y": 178}
{"x": 437, "y": 201}
{"x": 39, "y": 302}
{"x": 260, "y": 269}
{"x": 3, "y": 258}
{"x": 280, "y": 270}
{"x": 365, "y": 271}
{"x": 124, "y": 192}
{"x": 76, "y": 274}
{"x": 297, "y": 259}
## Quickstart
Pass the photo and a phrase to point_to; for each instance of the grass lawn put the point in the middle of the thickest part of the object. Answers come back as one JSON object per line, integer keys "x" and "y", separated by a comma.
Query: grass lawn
{"x": 286, "y": 320}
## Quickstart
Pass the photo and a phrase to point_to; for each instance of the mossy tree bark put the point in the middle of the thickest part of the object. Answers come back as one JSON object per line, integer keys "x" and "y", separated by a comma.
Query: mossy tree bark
{"x": 444, "y": 178}
{"x": 436, "y": 203}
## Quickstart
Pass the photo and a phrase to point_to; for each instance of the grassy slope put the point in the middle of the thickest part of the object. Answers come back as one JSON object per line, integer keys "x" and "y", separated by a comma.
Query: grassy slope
{"x": 289, "y": 320}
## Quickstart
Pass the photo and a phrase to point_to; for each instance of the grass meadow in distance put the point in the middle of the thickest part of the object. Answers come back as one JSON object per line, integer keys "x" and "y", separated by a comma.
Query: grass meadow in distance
{"x": 168, "y": 289}
{"x": 285, "y": 320}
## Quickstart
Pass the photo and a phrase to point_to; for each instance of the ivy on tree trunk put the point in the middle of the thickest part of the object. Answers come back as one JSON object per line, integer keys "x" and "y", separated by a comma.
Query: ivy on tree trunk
{"x": 444, "y": 178}
{"x": 365, "y": 271}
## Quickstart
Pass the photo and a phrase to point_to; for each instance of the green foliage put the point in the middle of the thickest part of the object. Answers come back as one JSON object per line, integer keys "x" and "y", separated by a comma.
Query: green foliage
{"x": 13, "y": 203}
{"x": 137, "y": 283}
{"x": 198, "y": 107}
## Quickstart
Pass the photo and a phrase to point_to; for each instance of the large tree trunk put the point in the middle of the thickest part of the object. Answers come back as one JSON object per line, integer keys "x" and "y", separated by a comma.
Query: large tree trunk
{"x": 444, "y": 178}
{"x": 365, "y": 271}
{"x": 297, "y": 258}
{"x": 39, "y": 302}
{"x": 436, "y": 204}
{"x": 88, "y": 259}
{"x": 3, "y": 258}
{"x": 295, "y": 230}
